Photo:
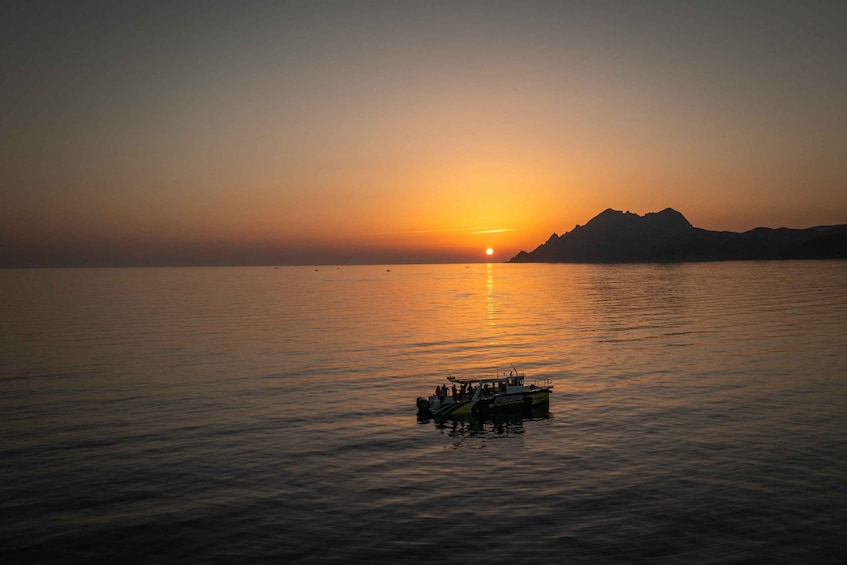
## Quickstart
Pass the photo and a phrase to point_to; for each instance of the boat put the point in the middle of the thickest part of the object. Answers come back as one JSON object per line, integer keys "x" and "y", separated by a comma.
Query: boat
{"x": 479, "y": 398}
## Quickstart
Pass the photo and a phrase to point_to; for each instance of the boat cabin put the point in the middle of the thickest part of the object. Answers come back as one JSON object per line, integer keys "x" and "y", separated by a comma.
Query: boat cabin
{"x": 511, "y": 384}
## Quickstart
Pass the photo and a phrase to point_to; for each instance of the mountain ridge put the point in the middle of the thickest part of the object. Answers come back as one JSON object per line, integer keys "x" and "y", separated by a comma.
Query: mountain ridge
{"x": 614, "y": 236}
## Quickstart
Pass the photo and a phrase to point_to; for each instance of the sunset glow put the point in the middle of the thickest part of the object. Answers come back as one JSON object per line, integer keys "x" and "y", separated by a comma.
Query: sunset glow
{"x": 339, "y": 132}
{"x": 489, "y": 252}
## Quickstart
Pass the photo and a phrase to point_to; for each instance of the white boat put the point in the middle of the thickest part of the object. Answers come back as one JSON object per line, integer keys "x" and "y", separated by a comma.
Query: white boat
{"x": 477, "y": 398}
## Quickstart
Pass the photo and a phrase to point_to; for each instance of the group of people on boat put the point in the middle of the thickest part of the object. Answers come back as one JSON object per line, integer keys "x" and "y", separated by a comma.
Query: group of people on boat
{"x": 465, "y": 392}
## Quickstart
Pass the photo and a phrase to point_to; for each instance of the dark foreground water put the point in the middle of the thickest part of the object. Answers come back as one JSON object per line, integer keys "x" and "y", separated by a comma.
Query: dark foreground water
{"x": 268, "y": 415}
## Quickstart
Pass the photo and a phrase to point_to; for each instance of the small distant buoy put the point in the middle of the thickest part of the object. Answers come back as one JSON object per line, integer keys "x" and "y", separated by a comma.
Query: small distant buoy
{"x": 387, "y": 270}
{"x": 316, "y": 270}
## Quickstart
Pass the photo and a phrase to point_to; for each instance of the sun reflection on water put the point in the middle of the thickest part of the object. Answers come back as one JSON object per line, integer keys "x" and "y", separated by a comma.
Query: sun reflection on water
{"x": 489, "y": 284}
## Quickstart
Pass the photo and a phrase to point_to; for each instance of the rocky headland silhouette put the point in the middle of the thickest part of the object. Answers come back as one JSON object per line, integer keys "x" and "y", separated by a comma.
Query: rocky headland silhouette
{"x": 667, "y": 236}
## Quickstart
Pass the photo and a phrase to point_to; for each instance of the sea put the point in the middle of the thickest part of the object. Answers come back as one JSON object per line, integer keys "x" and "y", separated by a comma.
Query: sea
{"x": 268, "y": 415}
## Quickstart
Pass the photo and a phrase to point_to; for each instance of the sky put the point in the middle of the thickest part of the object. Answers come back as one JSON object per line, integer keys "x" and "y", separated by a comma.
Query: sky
{"x": 215, "y": 133}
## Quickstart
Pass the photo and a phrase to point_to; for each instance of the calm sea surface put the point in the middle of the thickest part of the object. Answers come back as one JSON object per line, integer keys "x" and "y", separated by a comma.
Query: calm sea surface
{"x": 251, "y": 415}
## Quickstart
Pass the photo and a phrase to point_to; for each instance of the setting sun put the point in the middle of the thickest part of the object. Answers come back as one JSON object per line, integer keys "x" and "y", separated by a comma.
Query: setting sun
{"x": 489, "y": 251}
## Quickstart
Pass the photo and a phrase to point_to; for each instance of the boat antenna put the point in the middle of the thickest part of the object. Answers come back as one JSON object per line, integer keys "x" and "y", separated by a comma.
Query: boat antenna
{"x": 513, "y": 367}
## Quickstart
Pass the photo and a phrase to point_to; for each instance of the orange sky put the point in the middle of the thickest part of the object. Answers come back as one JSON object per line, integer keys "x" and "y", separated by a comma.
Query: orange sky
{"x": 385, "y": 132}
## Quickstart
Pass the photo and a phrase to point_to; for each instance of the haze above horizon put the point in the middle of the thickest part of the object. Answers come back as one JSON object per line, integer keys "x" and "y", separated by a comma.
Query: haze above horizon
{"x": 379, "y": 132}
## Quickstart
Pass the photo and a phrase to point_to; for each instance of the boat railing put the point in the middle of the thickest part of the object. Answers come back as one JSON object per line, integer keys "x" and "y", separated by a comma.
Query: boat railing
{"x": 543, "y": 383}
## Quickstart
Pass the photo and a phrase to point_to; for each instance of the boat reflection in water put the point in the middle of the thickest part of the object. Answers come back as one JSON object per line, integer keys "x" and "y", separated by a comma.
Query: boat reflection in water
{"x": 504, "y": 424}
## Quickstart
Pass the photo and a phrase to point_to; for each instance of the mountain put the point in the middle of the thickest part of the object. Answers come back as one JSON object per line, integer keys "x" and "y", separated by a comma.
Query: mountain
{"x": 623, "y": 237}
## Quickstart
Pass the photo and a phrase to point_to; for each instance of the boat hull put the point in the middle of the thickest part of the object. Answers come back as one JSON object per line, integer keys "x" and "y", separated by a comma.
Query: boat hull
{"x": 480, "y": 408}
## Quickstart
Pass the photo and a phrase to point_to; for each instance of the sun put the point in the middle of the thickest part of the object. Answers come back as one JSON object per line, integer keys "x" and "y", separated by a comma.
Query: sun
{"x": 489, "y": 251}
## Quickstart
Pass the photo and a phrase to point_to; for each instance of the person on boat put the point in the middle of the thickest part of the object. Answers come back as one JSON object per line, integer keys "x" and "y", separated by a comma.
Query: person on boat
{"x": 455, "y": 394}
{"x": 438, "y": 392}
{"x": 444, "y": 391}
